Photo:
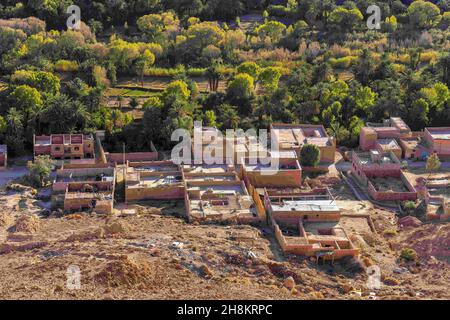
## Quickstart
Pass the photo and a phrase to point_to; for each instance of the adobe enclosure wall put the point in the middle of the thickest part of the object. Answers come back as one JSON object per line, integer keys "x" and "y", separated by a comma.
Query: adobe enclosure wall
{"x": 134, "y": 156}
{"x": 163, "y": 192}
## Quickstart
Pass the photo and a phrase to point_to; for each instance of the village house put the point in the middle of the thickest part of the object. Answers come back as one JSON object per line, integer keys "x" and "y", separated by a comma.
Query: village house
{"x": 154, "y": 180}
{"x": 293, "y": 136}
{"x": 308, "y": 224}
{"x": 438, "y": 141}
{"x": 219, "y": 198}
{"x": 382, "y": 175}
{"x": 286, "y": 174}
{"x": 436, "y": 194}
{"x": 64, "y": 146}
{"x": 210, "y": 146}
{"x": 79, "y": 187}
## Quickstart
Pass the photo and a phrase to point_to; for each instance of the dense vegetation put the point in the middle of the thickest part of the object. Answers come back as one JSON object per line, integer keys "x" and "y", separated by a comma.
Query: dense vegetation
{"x": 311, "y": 61}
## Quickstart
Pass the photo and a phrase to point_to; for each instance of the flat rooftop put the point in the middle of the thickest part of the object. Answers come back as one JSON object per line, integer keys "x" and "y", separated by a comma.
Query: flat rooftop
{"x": 305, "y": 205}
{"x": 411, "y": 143}
{"x": 156, "y": 181}
{"x": 205, "y": 168}
{"x": 219, "y": 189}
{"x": 210, "y": 178}
{"x": 300, "y": 134}
{"x": 388, "y": 143}
{"x": 440, "y": 133}
{"x": 283, "y": 165}
{"x": 366, "y": 158}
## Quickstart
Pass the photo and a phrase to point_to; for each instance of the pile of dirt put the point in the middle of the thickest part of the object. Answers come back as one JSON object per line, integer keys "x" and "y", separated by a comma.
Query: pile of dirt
{"x": 127, "y": 271}
{"x": 116, "y": 227}
{"x": 27, "y": 224}
{"x": 409, "y": 221}
{"x": 5, "y": 219}
{"x": 86, "y": 235}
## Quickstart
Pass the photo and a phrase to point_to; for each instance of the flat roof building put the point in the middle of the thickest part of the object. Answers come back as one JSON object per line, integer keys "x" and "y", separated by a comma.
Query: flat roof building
{"x": 293, "y": 136}
{"x": 153, "y": 180}
{"x": 308, "y": 224}
{"x": 438, "y": 141}
{"x": 64, "y": 146}
{"x": 79, "y": 188}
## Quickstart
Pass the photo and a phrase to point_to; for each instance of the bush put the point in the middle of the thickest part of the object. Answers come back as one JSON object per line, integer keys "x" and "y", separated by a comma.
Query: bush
{"x": 310, "y": 155}
{"x": 429, "y": 57}
{"x": 343, "y": 63}
{"x": 66, "y": 66}
{"x": 196, "y": 72}
{"x": 278, "y": 11}
{"x": 390, "y": 232}
{"x": 40, "y": 170}
{"x": 408, "y": 254}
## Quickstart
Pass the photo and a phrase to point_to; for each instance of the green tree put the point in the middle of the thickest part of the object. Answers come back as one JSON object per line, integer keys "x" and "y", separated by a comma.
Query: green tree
{"x": 345, "y": 20}
{"x": 62, "y": 115}
{"x": 249, "y": 67}
{"x": 433, "y": 164}
{"x": 178, "y": 89}
{"x": 228, "y": 117}
{"x": 340, "y": 133}
{"x": 272, "y": 30}
{"x": 423, "y": 14}
{"x": 365, "y": 99}
{"x": 310, "y": 155}
{"x": 27, "y": 99}
{"x": 210, "y": 119}
{"x": 240, "y": 92}
{"x": 40, "y": 170}
{"x": 269, "y": 78}
{"x": 144, "y": 61}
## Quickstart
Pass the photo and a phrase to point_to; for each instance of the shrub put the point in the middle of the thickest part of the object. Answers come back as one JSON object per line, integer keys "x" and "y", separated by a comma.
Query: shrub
{"x": 310, "y": 155}
{"x": 390, "y": 232}
{"x": 409, "y": 205}
{"x": 429, "y": 57}
{"x": 398, "y": 68}
{"x": 408, "y": 254}
{"x": 66, "y": 66}
{"x": 278, "y": 11}
{"x": 40, "y": 170}
{"x": 196, "y": 72}
{"x": 343, "y": 63}
{"x": 339, "y": 52}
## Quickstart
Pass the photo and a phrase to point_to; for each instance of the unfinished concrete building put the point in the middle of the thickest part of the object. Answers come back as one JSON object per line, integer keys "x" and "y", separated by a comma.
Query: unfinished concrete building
{"x": 294, "y": 136}
{"x": 155, "y": 180}
{"x": 210, "y": 146}
{"x": 381, "y": 174}
{"x": 438, "y": 141}
{"x": 436, "y": 193}
{"x": 286, "y": 174}
{"x": 393, "y": 128}
{"x": 216, "y": 198}
{"x": 308, "y": 224}
{"x": 84, "y": 187}
{"x": 64, "y": 146}
{"x": 3, "y": 156}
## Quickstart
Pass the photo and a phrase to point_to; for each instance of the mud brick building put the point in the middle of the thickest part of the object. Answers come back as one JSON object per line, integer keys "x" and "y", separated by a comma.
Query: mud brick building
{"x": 293, "y": 136}
{"x": 80, "y": 187}
{"x": 308, "y": 224}
{"x": 64, "y": 146}
{"x": 381, "y": 174}
{"x": 438, "y": 141}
